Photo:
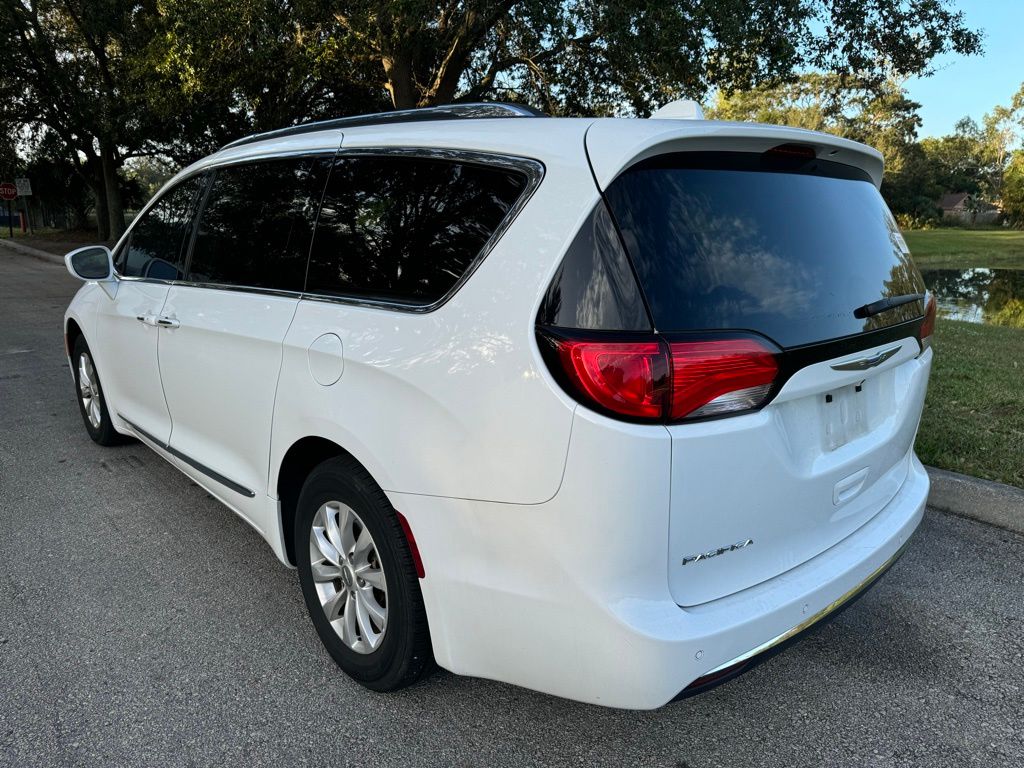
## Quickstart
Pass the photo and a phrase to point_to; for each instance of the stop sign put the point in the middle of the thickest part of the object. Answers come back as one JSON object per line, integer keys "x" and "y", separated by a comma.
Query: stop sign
{"x": 8, "y": 191}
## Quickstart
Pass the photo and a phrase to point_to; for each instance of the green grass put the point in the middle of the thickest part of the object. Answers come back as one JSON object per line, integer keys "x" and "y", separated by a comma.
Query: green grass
{"x": 974, "y": 415}
{"x": 967, "y": 247}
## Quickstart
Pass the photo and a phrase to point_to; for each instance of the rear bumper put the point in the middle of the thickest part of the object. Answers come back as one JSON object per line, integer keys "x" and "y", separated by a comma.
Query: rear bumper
{"x": 572, "y": 597}
{"x": 747, "y": 661}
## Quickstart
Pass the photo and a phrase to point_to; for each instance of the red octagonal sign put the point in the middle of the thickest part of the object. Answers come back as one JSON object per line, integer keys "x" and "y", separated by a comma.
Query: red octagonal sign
{"x": 8, "y": 191}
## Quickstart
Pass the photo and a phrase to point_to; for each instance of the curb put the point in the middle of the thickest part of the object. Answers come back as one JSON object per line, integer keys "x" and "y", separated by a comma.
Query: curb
{"x": 982, "y": 500}
{"x": 35, "y": 253}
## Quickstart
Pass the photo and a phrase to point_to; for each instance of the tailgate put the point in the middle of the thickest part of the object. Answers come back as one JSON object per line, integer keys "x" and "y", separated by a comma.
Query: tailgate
{"x": 783, "y": 238}
{"x": 822, "y": 459}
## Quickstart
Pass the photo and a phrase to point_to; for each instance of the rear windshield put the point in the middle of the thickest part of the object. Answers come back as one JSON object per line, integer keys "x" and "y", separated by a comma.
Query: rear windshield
{"x": 745, "y": 241}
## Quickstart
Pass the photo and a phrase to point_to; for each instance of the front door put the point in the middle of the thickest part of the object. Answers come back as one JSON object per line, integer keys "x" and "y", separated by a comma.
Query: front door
{"x": 128, "y": 326}
{"x": 221, "y": 359}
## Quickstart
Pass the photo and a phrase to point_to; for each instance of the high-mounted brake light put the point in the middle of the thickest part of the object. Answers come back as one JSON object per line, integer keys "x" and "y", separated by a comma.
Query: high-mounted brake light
{"x": 665, "y": 381}
{"x": 928, "y": 324}
{"x": 795, "y": 151}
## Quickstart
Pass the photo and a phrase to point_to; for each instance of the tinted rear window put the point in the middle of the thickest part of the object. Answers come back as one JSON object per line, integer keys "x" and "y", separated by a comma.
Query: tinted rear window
{"x": 735, "y": 241}
{"x": 406, "y": 229}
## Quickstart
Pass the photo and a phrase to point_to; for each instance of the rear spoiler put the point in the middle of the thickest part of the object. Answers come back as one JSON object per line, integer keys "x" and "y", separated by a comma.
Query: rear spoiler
{"x": 615, "y": 145}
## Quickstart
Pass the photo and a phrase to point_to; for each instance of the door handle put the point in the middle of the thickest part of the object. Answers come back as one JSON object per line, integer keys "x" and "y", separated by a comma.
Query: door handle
{"x": 161, "y": 321}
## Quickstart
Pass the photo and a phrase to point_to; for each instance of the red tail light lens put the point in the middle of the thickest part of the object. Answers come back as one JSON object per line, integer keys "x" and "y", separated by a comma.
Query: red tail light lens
{"x": 710, "y": 378}
{"x": 667, "y": 381}
{"x": 628, "y": 378}
{"x": 928, "y": 324}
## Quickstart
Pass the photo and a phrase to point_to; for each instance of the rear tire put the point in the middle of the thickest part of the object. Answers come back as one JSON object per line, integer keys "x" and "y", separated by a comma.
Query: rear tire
{"x": 364, "y": 598}
{"x": 91, "y": 402}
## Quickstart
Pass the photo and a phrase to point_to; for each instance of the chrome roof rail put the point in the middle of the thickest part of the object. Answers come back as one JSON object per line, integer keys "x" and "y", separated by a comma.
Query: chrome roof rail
{"x": 466, "y": 111}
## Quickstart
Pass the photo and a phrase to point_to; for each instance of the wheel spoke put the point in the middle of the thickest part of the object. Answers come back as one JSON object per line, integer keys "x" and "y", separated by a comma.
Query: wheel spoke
{"x": 326, "y": 571}
{"x": 331, "y": 515}
{"x": 348, "y": 534}
{"x": 335, "y": 606}
{"x": 365, "y": 627}
{"x": 362, "y": 548}
{"x": 348, "y": 622}
{"x": 371, "y": 606}
{"x": 326, "y": 548}
{"x": 372, "y": 576}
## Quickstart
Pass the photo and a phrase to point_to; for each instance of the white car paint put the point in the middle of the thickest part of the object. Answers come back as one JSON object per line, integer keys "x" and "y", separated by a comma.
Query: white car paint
{"x": 551, "y": 535}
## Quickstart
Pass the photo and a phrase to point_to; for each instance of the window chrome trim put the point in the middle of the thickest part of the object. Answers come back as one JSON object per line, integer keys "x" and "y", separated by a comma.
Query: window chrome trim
{"x": 533, "y": 169}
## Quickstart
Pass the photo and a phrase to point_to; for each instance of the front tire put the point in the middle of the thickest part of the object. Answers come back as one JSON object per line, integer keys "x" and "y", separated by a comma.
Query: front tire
{"x": 91, "y": 402}
{"x": 358, "y": 578}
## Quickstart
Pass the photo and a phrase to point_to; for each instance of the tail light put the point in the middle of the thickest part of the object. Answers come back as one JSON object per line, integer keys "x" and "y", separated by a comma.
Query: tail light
{"x": 928, "y": 324}
{"x": 710, "y": 378}
{"x": 627, "y": 378}
{"x": 659, "y": 380}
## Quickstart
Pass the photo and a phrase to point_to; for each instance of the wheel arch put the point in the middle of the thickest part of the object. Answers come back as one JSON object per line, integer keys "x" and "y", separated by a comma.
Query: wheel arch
{"x": 298, "y": 461}
{"x": 72, "y": 332}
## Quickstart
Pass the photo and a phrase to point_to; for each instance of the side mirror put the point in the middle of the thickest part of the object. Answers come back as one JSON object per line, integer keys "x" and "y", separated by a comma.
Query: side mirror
{"x": 94, "y": 262}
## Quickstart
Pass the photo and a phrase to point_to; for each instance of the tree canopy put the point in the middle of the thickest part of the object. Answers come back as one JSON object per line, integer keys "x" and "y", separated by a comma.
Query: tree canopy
{"x": 96, "y": 83}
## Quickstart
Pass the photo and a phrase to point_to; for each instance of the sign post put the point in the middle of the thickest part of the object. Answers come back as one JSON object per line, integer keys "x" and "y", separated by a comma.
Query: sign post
{"x": 8, "y": 192}
{"x": 24, "y": 188}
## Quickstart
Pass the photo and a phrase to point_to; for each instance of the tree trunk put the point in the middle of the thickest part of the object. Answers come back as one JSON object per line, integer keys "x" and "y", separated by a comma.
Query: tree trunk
{"x": 99, "y": 195}
{"x": 398, "y": 70}
{"x": 112, "y": 188}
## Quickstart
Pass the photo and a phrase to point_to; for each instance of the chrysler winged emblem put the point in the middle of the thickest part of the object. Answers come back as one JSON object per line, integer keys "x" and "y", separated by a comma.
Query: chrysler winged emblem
{"x": 863, "y": 363}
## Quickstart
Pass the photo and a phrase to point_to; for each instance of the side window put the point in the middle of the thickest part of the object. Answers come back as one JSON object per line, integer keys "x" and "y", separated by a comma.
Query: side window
{"x": 406, "y": 229}
{"x": 158, "y": 242}
{"x": 257, "y": 224}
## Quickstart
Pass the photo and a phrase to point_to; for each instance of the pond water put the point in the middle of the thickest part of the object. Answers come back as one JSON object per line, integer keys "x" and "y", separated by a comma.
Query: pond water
{"x": 994, "y": 296}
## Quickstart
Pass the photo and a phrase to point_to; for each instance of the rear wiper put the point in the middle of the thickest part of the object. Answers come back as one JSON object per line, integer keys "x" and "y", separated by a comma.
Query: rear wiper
{"x": 877, "y": 307}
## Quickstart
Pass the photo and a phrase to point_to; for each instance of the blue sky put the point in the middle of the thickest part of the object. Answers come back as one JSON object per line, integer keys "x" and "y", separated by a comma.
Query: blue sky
{"x": 972, "y": 85}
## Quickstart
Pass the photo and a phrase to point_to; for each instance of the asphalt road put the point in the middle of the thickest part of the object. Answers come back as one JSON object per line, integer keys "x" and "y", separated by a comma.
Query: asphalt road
{"x": 141, "y": 623}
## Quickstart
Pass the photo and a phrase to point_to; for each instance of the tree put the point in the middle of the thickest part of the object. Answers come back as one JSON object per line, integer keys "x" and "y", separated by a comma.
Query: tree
{"x": 215, "y": 70}
{"x": 99, "y": 82}
{"x": 67, "y": 77}
{"x": 608, "y": 55}
{"x": 956, "y": 159}
{"x": 1013, "y": 190}
{"x": 976, "y": 158}
{"x": 569, "y": 57}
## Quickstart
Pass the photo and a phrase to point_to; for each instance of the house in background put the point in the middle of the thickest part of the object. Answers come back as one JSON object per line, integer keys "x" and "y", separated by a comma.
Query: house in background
{"x": 964, "y": 209}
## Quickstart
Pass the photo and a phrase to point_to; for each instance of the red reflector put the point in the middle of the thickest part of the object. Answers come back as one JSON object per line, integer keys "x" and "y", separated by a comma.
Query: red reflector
{"x": 928, "y": 325}
{"x": 414, "y": 550}
{"x": 625, "y": 377}
{"x": 715, "y": 377}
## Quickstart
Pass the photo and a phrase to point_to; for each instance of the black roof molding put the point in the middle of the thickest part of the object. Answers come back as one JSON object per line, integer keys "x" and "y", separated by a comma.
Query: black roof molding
{"x": 468, "y": 111}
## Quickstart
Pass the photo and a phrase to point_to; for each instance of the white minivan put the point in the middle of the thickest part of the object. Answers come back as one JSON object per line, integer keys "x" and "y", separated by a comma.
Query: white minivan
{"x": 608, "y": 408}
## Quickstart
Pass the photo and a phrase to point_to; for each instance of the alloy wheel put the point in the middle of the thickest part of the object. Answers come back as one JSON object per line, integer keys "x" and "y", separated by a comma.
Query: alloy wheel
{"x": 348, "y": 576}
{"x": 89, "y": 390}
